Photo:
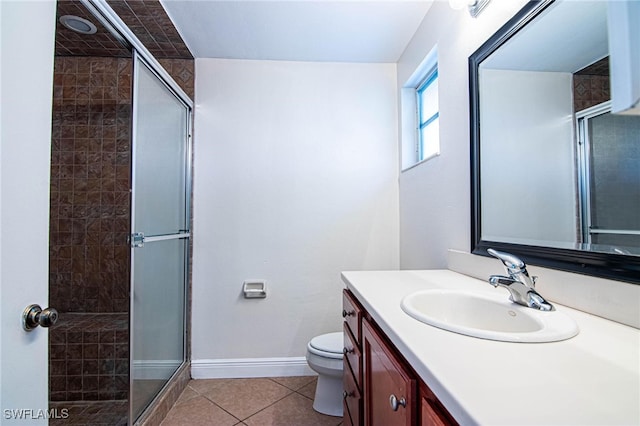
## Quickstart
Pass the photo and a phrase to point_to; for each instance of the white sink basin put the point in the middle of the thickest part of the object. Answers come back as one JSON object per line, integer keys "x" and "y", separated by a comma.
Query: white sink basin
{"x": 487, "y": 316}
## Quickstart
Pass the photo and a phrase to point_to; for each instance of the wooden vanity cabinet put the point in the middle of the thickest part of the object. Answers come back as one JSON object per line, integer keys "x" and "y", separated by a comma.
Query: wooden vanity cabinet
{"x": 352, "y": 371}
{"x": 380, "y": 387}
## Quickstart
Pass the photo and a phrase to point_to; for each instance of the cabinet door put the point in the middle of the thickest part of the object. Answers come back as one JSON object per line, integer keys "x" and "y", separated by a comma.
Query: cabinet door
{"x": 432, "y": 412}
{"x": 389, "y": 389}
{"x": 430, "y": 416}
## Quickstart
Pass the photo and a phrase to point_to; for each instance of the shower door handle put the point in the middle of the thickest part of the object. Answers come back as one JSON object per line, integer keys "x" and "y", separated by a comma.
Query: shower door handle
{"x": 34, "y": 316}
{"x": 138, "y": 239}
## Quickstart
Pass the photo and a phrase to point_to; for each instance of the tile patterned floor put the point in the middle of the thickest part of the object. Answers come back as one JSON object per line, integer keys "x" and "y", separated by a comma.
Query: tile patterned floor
{"x": 280, "y": 401}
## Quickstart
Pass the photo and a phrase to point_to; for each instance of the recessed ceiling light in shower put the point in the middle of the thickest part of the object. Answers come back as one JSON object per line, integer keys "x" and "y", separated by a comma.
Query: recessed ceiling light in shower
{"x": 78, "y": 24}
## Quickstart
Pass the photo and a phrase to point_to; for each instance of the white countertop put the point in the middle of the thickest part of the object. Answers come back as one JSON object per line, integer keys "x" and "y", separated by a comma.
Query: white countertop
{"x": 591, "y": 379}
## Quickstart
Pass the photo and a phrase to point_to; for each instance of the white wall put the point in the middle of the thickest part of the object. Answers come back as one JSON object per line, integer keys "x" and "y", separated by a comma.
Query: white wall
{"x": 435, "y": 195}
{"x": 531, "y": 153}
{"x": 295, "y": 180}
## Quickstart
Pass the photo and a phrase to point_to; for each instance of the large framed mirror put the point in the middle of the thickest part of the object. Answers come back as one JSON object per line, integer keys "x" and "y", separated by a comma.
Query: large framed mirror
{"x": 555, "y": 177}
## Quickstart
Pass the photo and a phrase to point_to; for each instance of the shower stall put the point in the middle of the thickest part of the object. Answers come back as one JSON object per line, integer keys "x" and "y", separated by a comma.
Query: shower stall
{"x": 119, "y": 221}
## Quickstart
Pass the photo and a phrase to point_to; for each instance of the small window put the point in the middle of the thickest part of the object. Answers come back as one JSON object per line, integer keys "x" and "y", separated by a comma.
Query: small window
{"x": 419, "y": 131}
{"x": 427, "y": 109}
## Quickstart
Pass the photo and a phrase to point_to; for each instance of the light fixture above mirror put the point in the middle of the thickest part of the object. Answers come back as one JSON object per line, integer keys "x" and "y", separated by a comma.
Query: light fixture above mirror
{"x": 474, "y": 6}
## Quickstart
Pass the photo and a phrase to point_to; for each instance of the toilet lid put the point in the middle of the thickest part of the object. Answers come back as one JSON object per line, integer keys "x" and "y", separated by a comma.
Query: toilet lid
{"x": 330, "y": 345}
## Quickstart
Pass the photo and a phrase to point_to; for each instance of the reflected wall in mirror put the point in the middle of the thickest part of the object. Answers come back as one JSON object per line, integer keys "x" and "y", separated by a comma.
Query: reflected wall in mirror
{"x": 555, "y": 175}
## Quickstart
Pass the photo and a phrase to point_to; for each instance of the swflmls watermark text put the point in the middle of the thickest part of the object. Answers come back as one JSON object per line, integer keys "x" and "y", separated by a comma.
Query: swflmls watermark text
{"x": 31, "y": 414}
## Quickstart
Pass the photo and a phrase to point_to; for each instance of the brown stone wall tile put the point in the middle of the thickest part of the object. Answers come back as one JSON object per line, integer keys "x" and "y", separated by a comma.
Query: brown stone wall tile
{"x": 90, "y": 357}
{"x": 85, "y": 174}
{"x": 591, "y": 85}
{"x": 90, "y": 202}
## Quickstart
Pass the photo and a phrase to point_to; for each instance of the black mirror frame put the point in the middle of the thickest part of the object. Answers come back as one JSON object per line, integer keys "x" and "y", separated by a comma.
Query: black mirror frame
{"x": 605, "y": 265}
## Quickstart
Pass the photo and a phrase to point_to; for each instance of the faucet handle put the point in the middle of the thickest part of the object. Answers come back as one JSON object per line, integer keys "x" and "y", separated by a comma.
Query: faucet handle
{"x": 511, "y": 262}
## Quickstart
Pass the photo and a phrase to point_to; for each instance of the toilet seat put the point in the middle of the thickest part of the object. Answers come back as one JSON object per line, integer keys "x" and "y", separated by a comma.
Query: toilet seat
{"x": 328, "y": 345}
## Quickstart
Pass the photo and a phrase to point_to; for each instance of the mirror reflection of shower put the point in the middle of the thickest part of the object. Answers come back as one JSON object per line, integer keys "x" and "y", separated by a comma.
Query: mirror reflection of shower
{"x": 609, "y": 179}
{"x": 607, "y": 166}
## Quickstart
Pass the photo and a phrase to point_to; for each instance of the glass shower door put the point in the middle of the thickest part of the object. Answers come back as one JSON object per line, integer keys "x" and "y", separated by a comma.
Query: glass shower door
{"x": 160, "y": 238}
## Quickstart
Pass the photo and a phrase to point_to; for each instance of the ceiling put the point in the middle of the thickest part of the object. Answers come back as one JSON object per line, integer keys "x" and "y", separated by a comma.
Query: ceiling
{"x": 298, "y": 30}
{"x": 150, "y": 23}
{"x": 145, "y": 18}
{"x": 71, "y": 43}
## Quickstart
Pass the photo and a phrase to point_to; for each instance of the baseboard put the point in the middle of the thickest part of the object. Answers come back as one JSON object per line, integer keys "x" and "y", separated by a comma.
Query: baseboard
{"x": 249, "y": 367}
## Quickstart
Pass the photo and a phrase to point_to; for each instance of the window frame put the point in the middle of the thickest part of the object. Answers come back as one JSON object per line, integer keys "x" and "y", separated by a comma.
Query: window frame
{"x": 430, "y": 77}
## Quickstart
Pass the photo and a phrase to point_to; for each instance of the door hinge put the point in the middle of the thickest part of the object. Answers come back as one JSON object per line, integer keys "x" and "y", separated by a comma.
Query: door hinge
{"x": 136, "y": 240}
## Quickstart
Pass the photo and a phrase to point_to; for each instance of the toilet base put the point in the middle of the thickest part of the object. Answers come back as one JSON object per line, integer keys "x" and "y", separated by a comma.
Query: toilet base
{"x": 328, "y": 398}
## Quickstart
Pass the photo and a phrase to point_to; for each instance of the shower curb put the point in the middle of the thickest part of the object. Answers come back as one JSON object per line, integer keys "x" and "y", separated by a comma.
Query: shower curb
{"x": 158, "y": 409}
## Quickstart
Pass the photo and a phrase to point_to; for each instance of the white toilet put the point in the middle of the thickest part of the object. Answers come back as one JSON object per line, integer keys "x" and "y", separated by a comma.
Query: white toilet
{"x": 324, "y": 356}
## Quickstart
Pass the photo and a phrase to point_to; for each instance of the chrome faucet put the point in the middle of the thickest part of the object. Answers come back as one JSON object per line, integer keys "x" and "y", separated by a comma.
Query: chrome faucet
{"x": 521, "y": 286}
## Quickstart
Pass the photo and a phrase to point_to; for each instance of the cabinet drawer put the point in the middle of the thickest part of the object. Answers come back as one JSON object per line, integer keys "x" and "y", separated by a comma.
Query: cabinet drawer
{"x": 352, "y": 314}
{"x": 389, "y": 388}
{"x": 352, "y": 355}
{"x": 352, "y": 402}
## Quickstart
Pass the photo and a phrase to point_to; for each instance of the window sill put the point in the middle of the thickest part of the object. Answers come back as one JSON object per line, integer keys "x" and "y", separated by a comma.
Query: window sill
{"x": 420, "y": 162}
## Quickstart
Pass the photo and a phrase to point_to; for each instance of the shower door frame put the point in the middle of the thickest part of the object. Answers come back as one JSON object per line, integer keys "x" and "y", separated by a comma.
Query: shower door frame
{"x": 110, "y": 19}
{"x": 184, "y": 233}
{"x": 585, "y": 162}
{"x": 584, "y": 165}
